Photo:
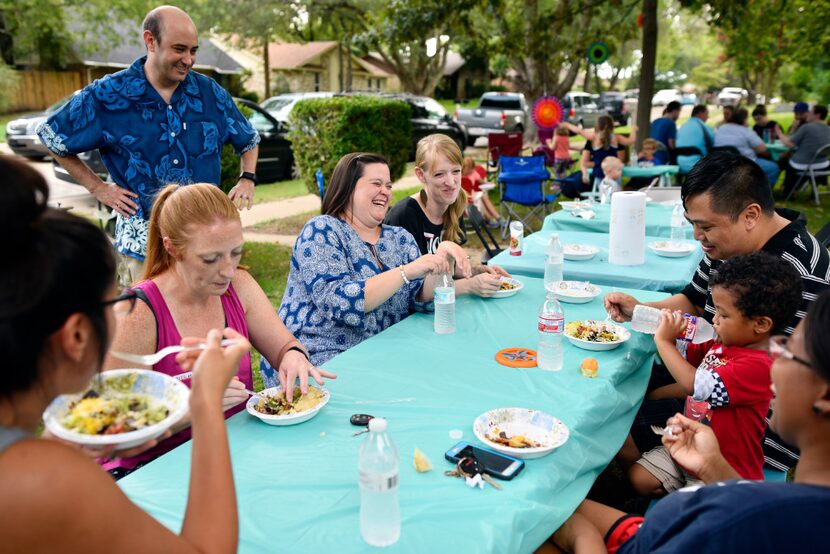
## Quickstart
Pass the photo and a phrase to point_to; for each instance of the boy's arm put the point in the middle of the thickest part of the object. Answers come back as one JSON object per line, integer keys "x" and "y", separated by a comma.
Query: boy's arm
{"x": 672, "y": 324}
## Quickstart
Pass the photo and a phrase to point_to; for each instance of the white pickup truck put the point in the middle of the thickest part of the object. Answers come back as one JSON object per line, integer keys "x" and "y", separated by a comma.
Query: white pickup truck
{"x": 497, "y": 112}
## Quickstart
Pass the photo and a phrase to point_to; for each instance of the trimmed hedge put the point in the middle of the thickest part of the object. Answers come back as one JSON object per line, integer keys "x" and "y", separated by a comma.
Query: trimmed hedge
{"x": 325, "y": 129}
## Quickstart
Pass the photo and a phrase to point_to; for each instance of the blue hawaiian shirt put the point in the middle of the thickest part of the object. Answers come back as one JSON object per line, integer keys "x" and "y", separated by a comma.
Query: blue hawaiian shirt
{"x": 146, "y": 143}
{"x": 323, "y": 303}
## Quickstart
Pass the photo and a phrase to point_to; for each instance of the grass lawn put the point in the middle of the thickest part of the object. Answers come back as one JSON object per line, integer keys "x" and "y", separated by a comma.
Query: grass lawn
{"x": 279, "y": 190}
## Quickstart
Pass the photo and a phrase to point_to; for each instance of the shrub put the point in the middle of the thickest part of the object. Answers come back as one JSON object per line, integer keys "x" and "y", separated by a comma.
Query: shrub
{"x": 325, "y": 129}
{"x": 229, "y": 161}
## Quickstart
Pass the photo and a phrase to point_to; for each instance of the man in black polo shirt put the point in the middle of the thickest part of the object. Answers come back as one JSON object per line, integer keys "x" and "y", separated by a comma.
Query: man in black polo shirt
{"x": 730, "y": 206}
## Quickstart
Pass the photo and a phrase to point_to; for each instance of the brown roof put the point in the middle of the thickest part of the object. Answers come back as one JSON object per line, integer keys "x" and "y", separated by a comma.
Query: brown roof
{"x": 292, "y": 55}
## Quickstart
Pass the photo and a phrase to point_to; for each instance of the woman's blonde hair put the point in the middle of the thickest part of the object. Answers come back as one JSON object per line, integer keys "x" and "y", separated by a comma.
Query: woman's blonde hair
{"x": 468, "y": 165}
{"x": 425, "y": 154}
{"x": 176, "y": 210}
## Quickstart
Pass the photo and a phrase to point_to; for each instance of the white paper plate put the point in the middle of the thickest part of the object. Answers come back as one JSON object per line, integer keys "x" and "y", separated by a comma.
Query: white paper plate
{"x": 576, "y": 292}
{"x": 534, "y": 424}
{"x": 507, "y": 293}
{"x": 291, "y": 419}
{"x": 623, "y": 333}
{"x": 574, "y": 205}
{"x": 155, "y": 384}
{"x": 579, "y": 252}
{"x": 487, "y": 186}
{"x": 670, "y": 249}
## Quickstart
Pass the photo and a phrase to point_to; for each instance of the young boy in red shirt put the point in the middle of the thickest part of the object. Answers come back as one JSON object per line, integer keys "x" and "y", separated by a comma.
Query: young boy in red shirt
{"x": 754, "y": 296}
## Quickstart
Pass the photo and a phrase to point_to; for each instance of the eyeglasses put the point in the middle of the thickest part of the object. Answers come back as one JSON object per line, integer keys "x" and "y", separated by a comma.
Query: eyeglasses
{"x": 123, "y": 304}
{"x": 777, "y": 348}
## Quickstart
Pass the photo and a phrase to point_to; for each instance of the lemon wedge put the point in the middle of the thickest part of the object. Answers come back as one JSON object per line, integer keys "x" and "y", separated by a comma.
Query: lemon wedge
{"x": 422, "y": 464}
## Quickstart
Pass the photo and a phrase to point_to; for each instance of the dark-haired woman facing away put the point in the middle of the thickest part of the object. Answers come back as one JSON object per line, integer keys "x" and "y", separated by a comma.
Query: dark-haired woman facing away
{"x": 58, "y": 311}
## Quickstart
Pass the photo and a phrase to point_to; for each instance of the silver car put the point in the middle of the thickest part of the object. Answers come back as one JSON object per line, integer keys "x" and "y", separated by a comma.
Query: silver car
{"x": 21, "y": 136}
{"x": 582, "y": 109}
{"x": 280, "y": 106}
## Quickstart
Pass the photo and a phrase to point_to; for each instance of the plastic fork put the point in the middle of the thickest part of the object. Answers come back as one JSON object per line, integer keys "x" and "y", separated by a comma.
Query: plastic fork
{"x": 152, "y": 359}
{"x": 668, "y": 431}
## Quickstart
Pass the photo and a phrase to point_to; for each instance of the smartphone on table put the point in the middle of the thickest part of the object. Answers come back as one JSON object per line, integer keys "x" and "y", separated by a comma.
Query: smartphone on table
{"x": 496, "y": 464}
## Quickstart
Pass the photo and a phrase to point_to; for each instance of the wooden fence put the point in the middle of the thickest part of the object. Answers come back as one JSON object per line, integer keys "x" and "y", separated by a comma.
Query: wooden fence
{"x": 37, "y": 90}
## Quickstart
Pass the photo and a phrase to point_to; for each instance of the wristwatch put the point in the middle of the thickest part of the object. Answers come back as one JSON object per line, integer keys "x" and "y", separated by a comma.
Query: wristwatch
{"x": 248, "y": 175}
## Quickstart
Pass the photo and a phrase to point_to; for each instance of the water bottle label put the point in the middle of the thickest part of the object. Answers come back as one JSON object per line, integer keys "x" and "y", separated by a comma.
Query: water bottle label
{"x": 551, "y": 324}
{"x": 515, "y": 245}
{"x": 691, "y": 327}
{"x": 378, "y": 482}
{"x": 444, "y": 295}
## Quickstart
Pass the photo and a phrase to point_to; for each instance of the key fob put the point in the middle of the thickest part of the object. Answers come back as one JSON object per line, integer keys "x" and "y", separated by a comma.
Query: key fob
{"x": 361, "y": 420}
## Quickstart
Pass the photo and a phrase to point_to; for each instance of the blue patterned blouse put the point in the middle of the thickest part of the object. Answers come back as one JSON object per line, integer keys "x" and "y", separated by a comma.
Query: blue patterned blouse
{"x": 323, "y": 301}
{"x": 146, "y": 143}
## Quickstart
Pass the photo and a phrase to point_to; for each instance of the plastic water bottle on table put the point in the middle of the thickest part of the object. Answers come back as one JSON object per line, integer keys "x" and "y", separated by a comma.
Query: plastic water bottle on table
{"x": 678, "y": 224}
{"x": 554, "y": 262}
{"x": 551, "y": 325}
{"x": 444, "y": 300}
{"x": 379, "y": 468}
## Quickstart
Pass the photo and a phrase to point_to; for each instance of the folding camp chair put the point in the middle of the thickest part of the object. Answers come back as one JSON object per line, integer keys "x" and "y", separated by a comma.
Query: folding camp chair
{"x": 501, "y": 144}
{"x": 476, "y": 221}
{"x": 812, "y": 172}
{"x": 522, "y": 183}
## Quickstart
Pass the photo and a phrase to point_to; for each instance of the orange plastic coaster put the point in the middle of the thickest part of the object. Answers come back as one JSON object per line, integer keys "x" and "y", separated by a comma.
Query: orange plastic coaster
{"x": 516, "y": 357}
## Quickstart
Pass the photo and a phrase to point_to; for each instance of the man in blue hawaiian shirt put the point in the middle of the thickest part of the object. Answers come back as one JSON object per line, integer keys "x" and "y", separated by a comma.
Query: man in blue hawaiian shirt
{"x": 156, "y": 122}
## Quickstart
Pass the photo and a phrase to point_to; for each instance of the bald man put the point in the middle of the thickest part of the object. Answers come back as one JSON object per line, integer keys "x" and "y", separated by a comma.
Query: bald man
{"x": 156, "y": 122}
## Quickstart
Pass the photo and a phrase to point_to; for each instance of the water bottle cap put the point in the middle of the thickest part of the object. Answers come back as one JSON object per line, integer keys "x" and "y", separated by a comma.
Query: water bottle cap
{"x": 377, "y": 425}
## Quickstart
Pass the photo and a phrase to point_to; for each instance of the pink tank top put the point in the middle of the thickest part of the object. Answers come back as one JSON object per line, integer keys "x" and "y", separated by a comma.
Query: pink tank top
{"x": 167, "y": 335}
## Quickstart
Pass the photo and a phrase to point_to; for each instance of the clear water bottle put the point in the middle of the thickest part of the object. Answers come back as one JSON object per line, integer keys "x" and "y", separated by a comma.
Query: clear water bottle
{"x": 645, "y": 319}
{"x": 444, "y": 293}
{"x": 379, "y": 467}
{"x": 678, "y": 223}
{"x": 550, "y": 355}
{"x": 554, "y": 262}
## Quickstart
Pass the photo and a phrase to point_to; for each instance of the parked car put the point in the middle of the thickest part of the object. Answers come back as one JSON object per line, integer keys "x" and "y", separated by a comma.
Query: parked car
{"x": 275, "y": 161}
{"x": 497, "y": 112}
{"x": 614, "y": 104}
{"x": 582, "y": 109}
{"x": 732, "y": 96}
{"x": 666, "y": 95}
{"x": 280, "y": 106}
{"x": 689, "y": 99}
{"x": 20, "y": 132}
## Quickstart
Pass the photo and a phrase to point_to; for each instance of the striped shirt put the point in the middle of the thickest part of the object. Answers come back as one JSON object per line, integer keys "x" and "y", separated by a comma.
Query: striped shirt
{"x": 812, "y": 261}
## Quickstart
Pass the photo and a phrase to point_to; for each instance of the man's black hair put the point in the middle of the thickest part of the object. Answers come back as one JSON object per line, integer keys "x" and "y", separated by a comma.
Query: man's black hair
{"x": 733, "y": 182}
{"x": 699, "y": 109}
{"x": 672, "y": 106}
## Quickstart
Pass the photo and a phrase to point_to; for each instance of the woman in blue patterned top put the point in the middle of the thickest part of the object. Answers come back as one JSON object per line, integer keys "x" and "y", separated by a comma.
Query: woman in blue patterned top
{"x": 351, "y": 277}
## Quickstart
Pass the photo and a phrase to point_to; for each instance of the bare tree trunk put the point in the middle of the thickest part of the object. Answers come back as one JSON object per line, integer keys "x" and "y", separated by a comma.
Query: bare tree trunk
{"x": 614, "y": 78}
{"x": 647, "y": 66}
{"x": 340, "y": 65}
{"x": 348, "y": 56}
{"x": 266, "y": 67}
{"x": 586, "y": 83}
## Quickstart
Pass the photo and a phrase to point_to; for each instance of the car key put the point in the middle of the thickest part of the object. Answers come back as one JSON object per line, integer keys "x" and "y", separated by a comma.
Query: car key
{"x": 361, "y": 420}
{"x": 472, "y": 467}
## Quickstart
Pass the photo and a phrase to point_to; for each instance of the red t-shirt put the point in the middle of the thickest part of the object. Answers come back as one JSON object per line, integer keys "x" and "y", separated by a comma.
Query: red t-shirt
{"x": 561, "y": 148}
{"x": 739, "y": 402}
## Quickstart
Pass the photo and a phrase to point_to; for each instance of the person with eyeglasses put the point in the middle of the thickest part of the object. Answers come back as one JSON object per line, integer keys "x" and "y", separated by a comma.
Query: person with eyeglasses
{"x": 58, "y": 312}
{"x": 192, "y": 283}
{"x": 731, "y": 514}
{"x": 351, "y": 275}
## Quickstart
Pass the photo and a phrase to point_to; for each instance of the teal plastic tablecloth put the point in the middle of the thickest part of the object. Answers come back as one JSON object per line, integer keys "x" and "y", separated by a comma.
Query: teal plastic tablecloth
{"x": 658, "y": 221}
{"x": 297, "y": 486}
{"x": 657, "y": 273}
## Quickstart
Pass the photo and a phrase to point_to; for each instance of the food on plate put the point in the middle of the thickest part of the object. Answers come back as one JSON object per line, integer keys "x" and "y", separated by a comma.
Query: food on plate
{"x": 422, "y": 463}
{"x": 508, "y": 285}
{"x": 592, "y": 331}
{"x": 589, "y": 367}
{"x": 516, "y": 441}
{"x": 277, "y": 404}
{"x": 113, "y": 412}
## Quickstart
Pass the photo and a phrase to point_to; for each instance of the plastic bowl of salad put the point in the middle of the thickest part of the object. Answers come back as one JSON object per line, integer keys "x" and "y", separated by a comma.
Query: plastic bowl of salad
{"x": 122, "y": 407}
{"x": 596, "y": 335}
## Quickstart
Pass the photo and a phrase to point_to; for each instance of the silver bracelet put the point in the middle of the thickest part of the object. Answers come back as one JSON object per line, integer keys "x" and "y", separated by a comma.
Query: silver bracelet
{"x": 406, "y": 280}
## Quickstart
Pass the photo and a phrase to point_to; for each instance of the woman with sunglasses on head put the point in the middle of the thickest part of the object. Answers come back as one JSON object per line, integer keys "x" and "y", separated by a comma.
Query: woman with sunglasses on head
{"x": 351, "y": 276}
{"x": 735, "y": 515}
{"x": 434, "y": 217}
{"x": 192, "y": 283}
{"x": 58, "y": 312}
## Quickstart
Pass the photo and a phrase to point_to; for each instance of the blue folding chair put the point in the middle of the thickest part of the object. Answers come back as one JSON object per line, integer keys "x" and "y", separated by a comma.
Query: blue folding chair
{"x": 522, "y": 183}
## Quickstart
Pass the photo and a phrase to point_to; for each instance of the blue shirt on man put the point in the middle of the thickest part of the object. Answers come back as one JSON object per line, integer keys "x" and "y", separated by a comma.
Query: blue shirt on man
{"x": 693, "y": 133}
{"x": 146, "y": 143}
{"x": 663, "y": 129}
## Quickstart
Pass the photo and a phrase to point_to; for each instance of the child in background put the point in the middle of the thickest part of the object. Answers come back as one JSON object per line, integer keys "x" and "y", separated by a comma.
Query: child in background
{"x": 649, "y": 156}
{"x": 754, "y": 296}
{"x": 472, "y": 179}
{"x": 561, "y": 145}
{"x": 612, "y": 181}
